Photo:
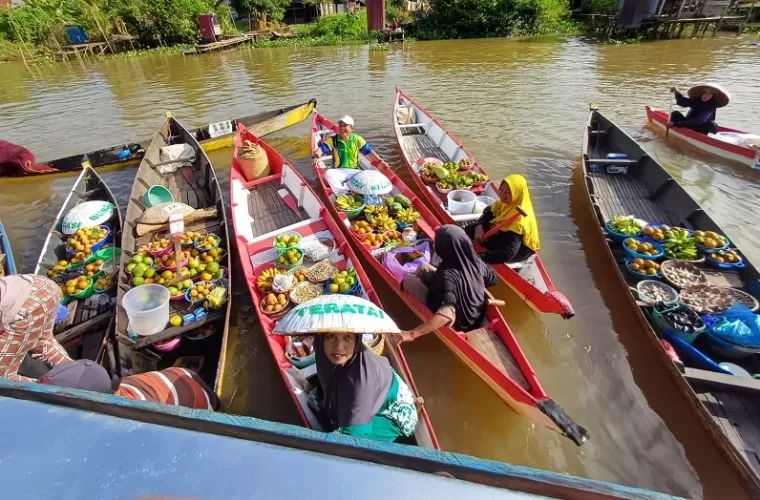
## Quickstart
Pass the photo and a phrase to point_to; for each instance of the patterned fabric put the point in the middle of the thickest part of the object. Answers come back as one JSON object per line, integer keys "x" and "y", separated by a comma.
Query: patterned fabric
{"x": 346, "y": 153}
{"x": 172, "y": 386}
{"x": 402, "y": 410}
{"x": 31, "y": 331}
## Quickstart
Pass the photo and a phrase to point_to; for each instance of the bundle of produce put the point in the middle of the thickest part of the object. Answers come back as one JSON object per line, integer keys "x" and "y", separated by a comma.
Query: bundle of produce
{"x": 679, "y": 244}
{"x": 362, "y": 227}
{"x": 373, "y": 241}
{"x": 644, "y": 267}
{"x": 274, "y": 303}
{"x": 624, "y": 225}
{"x": 287, "y": 240}
{"x": 265, "y": 279}
{"x": 384, "y": 223}
{"x": 407, "y": 216}
{"x": 461, "y": 181}
{"x": 86, "y": 240}
{"x": 253, "y": 161}
{"x": 725, "y": 259}
{"x": 372, "y": 211}
{"x": 342, "y": 282}
{"x": 351, "y": 204}
{"x": 217, "y": 298}
{"x": 444, "y": 185}
{"x": 451, "y": 166}
{"x": 636, "y": 248}
{"x": 188, "y": 237}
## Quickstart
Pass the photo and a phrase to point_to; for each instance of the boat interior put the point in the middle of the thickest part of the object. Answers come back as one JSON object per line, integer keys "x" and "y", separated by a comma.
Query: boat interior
{"x": 648, "y": 192}
{"x": 195, "y": 185}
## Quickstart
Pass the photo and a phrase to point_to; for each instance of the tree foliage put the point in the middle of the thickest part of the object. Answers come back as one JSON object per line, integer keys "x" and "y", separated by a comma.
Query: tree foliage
{"x": 490, "y": 18}
{"x": 262, "y": 10}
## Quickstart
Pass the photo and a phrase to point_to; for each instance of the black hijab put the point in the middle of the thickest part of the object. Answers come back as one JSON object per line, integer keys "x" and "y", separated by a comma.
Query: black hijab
{"x": 355, "y": 392}
{"x": 461, "y": 273}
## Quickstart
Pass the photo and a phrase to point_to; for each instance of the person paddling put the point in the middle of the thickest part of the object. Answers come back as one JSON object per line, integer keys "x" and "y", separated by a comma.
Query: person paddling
{"x": 702, "y": 101}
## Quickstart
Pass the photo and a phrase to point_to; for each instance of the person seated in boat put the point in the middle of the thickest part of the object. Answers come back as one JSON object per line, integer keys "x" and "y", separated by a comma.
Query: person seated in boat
{"x": 359, "y": 393}
{"x": 455, "y": 290}
{"x": 28, "y": 306}
{"x": 517, "y": 240}
{"x": 702, "y": 101}
{"x": 171, "y": 386}
{"x": 18, "y": 160}
{"x": 345, "y": 147}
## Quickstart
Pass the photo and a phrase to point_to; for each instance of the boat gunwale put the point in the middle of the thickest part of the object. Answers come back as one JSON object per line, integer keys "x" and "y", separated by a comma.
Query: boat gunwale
{"x": 5, "y": 244}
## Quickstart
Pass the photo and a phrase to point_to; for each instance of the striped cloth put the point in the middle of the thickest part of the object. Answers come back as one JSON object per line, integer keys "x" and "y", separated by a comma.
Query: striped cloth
{"x": 31, "y": 331}
{"x": 172, "y": 386}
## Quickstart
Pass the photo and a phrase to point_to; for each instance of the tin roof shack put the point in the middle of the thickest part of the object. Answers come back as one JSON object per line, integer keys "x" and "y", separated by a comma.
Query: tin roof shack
{"x": 669, "y": 18}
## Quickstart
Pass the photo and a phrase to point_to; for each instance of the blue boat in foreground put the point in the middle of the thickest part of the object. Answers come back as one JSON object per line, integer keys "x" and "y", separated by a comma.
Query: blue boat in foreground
{"x": 7, "y": 264}
{"x": 102, "y": 446}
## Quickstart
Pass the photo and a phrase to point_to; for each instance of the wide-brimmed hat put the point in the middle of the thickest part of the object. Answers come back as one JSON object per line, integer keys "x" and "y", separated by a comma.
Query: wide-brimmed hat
{"x": 722, "y": 97}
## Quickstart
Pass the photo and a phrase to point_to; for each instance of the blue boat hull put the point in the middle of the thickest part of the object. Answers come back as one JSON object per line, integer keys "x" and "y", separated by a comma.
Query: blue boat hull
{"x": 5, "y": 247}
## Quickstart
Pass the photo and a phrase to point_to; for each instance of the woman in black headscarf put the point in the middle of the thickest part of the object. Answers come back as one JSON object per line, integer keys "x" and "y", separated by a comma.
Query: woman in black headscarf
{"x": 456, "y": 290}
{"x": 359, "y": 393}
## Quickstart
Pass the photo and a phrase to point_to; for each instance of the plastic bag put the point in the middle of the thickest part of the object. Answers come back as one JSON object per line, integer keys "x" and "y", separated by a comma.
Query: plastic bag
{"x": 738, "y": 325}
{"x": 394, "y": 261}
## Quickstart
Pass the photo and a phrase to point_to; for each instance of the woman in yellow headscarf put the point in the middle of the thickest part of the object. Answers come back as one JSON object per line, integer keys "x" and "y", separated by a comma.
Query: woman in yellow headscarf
{"x": 516, "y": 241}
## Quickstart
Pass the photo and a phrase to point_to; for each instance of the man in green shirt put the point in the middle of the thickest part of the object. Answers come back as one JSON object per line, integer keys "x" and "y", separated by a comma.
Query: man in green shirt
{"x": 345, "y": 147}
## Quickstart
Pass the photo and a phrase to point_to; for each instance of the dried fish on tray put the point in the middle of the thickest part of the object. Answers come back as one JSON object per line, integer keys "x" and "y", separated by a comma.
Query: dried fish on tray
{"x": 742, "y": 298}
{"x": 682, "y": 274}
{"x": 321, "y": 271}
{"x": 304, "y": 291}
{"x": 706, "y": 299}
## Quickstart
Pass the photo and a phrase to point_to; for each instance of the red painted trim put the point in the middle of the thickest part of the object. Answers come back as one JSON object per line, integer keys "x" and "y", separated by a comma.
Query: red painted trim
{"x": 552, "y": 301}
{"x": 277, "y": 343}
{"x": 458, "y": 339}
{"x": 660, "y": 116}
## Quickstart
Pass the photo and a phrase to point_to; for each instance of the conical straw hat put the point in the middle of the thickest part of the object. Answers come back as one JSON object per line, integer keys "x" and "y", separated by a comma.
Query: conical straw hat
{"x": 335, "y": 314}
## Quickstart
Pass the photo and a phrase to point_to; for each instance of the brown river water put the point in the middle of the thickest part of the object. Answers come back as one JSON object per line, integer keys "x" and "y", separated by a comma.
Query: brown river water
{"x": 519, "y": 106}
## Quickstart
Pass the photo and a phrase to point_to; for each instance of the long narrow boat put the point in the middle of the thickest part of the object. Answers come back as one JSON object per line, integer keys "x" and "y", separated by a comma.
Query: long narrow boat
{"x": 711, "y": 144}
{"x": 424, "y": 139}
{"x": 283, "y": 202}
{"x": 7, "y": 264}
{"x": 195, "y": 185}
{"x": 213, "y": 136}
{"x": 727, "y": 406}
{"x": 89, "y": 318}
{"x": 493, "y": 352}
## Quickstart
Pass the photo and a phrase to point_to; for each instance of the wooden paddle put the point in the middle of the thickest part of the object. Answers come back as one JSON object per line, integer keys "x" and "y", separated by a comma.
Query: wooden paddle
{"x": 670, "y": 111}
{"x": 498, "y": 227}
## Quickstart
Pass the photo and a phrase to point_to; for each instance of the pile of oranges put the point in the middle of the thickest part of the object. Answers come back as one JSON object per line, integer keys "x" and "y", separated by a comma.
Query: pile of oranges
{"x": 274, "y": 302}
{"x": 641, "y": 247}
{"x": 373, "y": 240}
{"x": 641, "y": 266}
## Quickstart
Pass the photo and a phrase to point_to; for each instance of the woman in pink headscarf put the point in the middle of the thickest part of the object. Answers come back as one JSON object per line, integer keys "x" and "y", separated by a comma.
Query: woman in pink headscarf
{"x": 28, "y": 305}
{"x": 17, "y": 160}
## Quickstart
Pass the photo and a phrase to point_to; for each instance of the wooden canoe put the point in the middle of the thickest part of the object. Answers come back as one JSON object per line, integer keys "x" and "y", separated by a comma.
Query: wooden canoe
{"x": 713, "y": 145}
{"x": 493, "y": 353}
{"x": 89, "y": 319}
{"x": 7, "y": 264}
{"x": 283, "y": 202}
{"x": 213, "y": 136}
{"x": 729, "y": 410}
{"x": 427, "y": 138}
{"x": 197, "y": 186}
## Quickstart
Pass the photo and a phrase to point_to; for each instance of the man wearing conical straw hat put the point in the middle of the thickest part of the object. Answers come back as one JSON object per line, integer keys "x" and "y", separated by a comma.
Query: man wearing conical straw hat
{"x": 359, "y": 393}
{"x": 702, "y": 101}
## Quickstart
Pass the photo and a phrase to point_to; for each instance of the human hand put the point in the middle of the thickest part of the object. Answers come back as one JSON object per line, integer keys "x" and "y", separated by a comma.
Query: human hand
{"x": 314, "y": 162}
{"x": 404, "y": 336}
{"x": 673, "y": 90}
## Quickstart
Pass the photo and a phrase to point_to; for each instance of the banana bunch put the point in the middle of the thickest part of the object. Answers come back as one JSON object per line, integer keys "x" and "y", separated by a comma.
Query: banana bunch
{"x": 217, "y": 298}
{"x": 680, "y": 245}
{"x": 384, "y": 223}
{"x": 264, "y": 281}
{"x": 407, "y": 216}
{"x": 347, "y": 202}
{"x": 375, "y": 210}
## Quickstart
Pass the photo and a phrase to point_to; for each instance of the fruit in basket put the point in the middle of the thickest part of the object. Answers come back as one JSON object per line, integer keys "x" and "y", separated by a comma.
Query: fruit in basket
{"x": 188, "y": 237}
{"x": 641, "y": 247}
{"x": 384, "y": 223}
{"x": 450, "y": 165}
{"x": 343, "y": 281}
{"x": 710, "y": 239}
{"x": 373, "y": 240}
{"x": 624, "y": 225}
{"x": 407, "y": 216}
{"x": 679, "y": 244}
{"x": 289, "y": 258}
{"x": 444, "y": 184}
{"x": 375, "y": 210}
{"x": 461, "y": 181}
{"x": 208, "y": 242}
{"x": 275, "y": 302}
{"x": 402, "y": 200}
{"x": 300, "y": 275}
{"x": 361, "y": 227}
{"x": 287, "y": 240}
{"x": 725, "y": 257}
{"x": 84, "y": 239}
{"x": 264, "y": 281}
{"x": 348, "y": 202}
{"x": 58, "y": 269}
{"x": 465, "y": 163}
{"x": 392, "y": 237}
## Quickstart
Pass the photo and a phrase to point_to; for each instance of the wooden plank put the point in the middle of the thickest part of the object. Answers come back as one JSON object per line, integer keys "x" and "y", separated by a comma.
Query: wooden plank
{"x": 492, "y": 347}
{"x": 144, "y": 342}
{"x": 722, "y": 382}
{"x": 742, "y": 424}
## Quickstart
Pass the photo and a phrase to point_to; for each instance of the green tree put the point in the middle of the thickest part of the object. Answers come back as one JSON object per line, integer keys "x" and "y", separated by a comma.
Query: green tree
{"x": 262, "y": 11}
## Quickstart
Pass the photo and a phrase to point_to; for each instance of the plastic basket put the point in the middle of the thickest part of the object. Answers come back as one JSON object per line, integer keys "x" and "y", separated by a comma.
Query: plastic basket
{"x": 619, "y": 237}
{"x": 288, "y": 234}
{"x": 635, "y": 255}
{"x": 664, "y": 325}
{"x": 641, "y": 276}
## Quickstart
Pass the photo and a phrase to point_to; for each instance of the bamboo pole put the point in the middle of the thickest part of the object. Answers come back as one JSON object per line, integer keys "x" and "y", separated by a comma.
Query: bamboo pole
{"x": 104, "y": 35}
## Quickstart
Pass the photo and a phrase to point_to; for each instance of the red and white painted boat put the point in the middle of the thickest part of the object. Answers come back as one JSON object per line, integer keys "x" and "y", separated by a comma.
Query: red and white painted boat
{"x": 424, "y": 139}
{"x": 711, "y": 144}
{"x": 493, "y": 352}
{"x": 283, "y": 202}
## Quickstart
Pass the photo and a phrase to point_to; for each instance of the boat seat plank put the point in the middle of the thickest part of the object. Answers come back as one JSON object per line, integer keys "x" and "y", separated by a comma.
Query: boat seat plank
{"x": 269, "y": 211}
{"x": 492, "y": 347}
{"x": 422, "y": 146}
{"x": 738, "y": 417}
{"x": 626, "y": 195}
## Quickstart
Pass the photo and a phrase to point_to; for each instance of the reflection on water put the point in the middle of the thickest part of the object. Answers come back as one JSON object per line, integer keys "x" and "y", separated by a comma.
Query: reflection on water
{"x": 520, "y": 106}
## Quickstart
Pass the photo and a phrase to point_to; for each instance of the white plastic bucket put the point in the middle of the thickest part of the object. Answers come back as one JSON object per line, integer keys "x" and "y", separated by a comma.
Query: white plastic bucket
{"x": 481, "y": 202}
{"x": 147, "y": 308}
{"x": 461, "y": 202}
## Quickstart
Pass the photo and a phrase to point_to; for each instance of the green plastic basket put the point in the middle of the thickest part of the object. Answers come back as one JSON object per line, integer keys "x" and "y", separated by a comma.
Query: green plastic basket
{"x": 663, "y": 324}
